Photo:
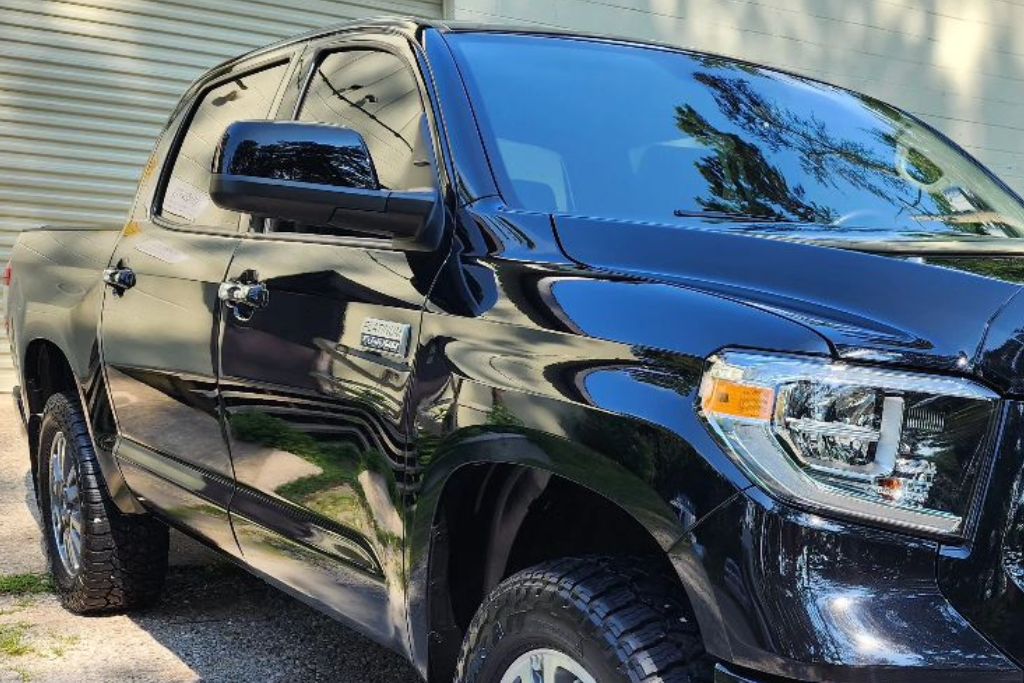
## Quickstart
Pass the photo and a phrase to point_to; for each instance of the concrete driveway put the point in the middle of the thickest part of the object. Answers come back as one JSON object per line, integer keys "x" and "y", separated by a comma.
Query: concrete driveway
{"x": 216, "y": 622}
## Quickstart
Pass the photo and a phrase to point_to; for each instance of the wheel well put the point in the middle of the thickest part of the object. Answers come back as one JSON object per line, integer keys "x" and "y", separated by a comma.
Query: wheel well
{"x": 46, "y": 371}
{"x": 494, "y": 520}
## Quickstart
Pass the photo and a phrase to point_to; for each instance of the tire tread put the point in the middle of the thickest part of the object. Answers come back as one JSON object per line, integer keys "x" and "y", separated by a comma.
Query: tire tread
{"x": 639, "y": 615}
{"x": 124, "y": 557}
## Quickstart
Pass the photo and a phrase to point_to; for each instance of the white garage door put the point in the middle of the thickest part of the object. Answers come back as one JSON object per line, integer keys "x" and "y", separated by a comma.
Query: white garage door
{"x": 85, "y": 86}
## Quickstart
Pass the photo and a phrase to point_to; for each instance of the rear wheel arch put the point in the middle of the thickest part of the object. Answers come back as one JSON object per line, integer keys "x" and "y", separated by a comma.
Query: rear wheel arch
{"x": 46, "y": 370}
{"x": 495, "y": 519}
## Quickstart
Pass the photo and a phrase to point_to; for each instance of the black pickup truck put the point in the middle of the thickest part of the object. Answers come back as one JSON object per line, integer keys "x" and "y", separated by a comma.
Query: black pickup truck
{"x": 541, "y": 357}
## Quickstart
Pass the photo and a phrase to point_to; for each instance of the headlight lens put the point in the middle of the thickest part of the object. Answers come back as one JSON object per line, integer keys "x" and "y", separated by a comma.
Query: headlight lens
{"x": 897, "y": 447}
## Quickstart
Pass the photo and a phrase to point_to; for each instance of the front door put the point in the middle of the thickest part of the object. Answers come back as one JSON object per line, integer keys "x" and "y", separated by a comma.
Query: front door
{"x": 314, "y": 384}
{"x": 160, "y": 334}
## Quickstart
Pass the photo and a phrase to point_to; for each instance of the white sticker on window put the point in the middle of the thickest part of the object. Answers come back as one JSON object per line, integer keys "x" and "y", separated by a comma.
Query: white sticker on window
{"x": 184, "y": 200}
{"x": 161, "y": 251}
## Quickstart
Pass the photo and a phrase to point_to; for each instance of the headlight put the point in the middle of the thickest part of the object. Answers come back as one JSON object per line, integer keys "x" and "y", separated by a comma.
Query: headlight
{"x": 894, "y": 447}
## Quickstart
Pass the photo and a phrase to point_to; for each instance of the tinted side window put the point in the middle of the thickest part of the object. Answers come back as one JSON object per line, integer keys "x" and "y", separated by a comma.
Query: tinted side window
{"x": 186, "y": 196}
{"x": 374, "y": 93}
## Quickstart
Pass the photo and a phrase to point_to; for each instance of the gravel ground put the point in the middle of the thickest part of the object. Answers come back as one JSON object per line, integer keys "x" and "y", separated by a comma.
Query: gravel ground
{"x": 21, "y": 548}
{"x": 216, "y": 622}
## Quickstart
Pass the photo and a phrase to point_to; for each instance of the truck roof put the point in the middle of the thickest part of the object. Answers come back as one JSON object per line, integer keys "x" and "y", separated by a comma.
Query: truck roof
{"x": 414, "y": 26}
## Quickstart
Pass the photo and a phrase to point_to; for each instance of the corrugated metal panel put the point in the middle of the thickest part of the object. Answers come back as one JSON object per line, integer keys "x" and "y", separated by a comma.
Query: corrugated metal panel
{"x": 959, "y": 64}
{"x": 85, "y": 86}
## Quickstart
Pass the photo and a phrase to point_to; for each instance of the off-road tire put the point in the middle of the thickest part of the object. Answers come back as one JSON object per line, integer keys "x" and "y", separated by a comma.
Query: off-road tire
{"x": 618, "y": 619}
{"x": 123, "y": 557}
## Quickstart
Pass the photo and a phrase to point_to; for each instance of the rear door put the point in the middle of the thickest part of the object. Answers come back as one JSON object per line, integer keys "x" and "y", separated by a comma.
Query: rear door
{"x": 159, "y": 337}
{"x": 315, "y": 384}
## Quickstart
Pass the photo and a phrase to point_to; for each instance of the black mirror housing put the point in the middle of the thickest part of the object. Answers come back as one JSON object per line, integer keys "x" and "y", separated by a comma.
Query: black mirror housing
{"x": 312, "y": 174}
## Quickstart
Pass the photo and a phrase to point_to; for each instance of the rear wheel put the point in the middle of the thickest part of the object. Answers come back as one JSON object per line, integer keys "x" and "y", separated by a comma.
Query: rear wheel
{"x": 101, "y": 560}
{"x": 585, "y": 620}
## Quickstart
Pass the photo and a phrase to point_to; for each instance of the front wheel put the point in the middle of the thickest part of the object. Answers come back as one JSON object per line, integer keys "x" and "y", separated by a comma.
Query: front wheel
{"x": 584, "y": 620}
{"x": 101, "y": 559}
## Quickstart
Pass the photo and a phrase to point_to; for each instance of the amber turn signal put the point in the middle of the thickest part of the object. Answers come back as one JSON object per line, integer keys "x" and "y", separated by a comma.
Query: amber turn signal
{"x": 730, "y": 399}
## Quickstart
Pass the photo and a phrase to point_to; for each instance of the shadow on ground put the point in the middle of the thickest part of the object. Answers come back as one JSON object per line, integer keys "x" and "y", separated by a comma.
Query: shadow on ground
{"x": 225, "y": 625}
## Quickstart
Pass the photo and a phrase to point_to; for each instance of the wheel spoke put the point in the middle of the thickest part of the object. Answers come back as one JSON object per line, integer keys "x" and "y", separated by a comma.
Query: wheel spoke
{"x": 546, "y": 666}
{"x": 550, "y": 670}
{"x": 65, "y": 504}
{"x": 536, "y": 665}
{"x": 71, "y": 495}
{"x": 59, "y": 453}
{"x": 74, "y": 547}
{"x": 70, "y": 471}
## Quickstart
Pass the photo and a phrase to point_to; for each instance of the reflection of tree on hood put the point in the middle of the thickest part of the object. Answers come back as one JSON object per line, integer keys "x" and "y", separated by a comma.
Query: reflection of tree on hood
{"x": 740, "y": 178}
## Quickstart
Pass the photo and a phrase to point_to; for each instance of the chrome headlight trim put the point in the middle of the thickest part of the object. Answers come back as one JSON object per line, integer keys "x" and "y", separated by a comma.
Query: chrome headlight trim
{"x": 879, "y": 477}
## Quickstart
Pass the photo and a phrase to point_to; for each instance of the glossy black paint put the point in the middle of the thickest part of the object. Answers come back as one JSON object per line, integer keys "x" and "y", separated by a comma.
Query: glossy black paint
{"x": 808, "y": 598}
{"x": 317, "y": 422}
{"x": 317, "y": 154}
{"x": 566, "y": 345}
{"x": 317, "y": 176}
{"x": 984, "y": 579}
{"x": 939, "y": 320}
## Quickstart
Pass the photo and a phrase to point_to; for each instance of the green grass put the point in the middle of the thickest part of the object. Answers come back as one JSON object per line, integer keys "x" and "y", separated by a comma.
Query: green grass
{"x": 25, "y": 584}
{"x": 12, "y": 640}
{"x": 62, "y": 643}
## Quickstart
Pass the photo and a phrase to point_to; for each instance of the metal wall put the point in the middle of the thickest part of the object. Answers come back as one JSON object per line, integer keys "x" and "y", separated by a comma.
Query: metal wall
{"x": 85, "y": 86}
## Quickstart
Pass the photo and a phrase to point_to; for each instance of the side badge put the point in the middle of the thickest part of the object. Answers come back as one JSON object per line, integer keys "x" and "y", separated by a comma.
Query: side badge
{"x": 386, "y": 336}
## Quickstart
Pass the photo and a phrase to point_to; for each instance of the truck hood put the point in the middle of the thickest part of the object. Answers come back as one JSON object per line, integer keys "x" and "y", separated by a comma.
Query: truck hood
{"x": 922, "y": 303}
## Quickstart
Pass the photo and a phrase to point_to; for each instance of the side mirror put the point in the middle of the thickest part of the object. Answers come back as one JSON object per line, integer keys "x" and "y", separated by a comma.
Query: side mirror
{"x": 312, "y": 174}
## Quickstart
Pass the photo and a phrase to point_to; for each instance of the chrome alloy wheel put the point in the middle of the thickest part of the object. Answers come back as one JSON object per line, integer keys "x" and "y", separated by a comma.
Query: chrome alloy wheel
{"x": 65, "y": 505}
{"x": 546, "y": 666}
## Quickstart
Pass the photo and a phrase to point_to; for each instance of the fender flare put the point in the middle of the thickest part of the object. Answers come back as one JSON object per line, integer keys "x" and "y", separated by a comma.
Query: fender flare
{"x": 93, "y": 398}
{"x": 549, "y": 456}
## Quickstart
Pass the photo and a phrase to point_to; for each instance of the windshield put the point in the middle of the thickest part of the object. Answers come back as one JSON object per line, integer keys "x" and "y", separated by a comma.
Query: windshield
{"x": 593, "y": 128}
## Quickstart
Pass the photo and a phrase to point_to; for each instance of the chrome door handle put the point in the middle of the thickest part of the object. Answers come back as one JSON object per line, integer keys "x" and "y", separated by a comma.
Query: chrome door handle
{"x": 244, "y": 295}
{"x": 120, "y": 278}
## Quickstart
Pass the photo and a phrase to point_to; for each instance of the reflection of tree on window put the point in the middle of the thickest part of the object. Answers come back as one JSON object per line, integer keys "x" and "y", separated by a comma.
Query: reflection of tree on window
{"x": 741, "y": 180}
{"x": 823, "y": 155}
{"x": 902, "y": 177}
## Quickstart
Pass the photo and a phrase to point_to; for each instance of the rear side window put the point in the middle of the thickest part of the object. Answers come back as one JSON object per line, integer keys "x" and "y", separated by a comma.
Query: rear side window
{"x": 375, "y": 93}
{"x": 186, "y": 198}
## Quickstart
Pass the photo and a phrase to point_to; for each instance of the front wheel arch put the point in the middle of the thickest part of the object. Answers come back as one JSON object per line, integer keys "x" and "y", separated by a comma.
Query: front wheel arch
{"x": 472, "y": 548}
